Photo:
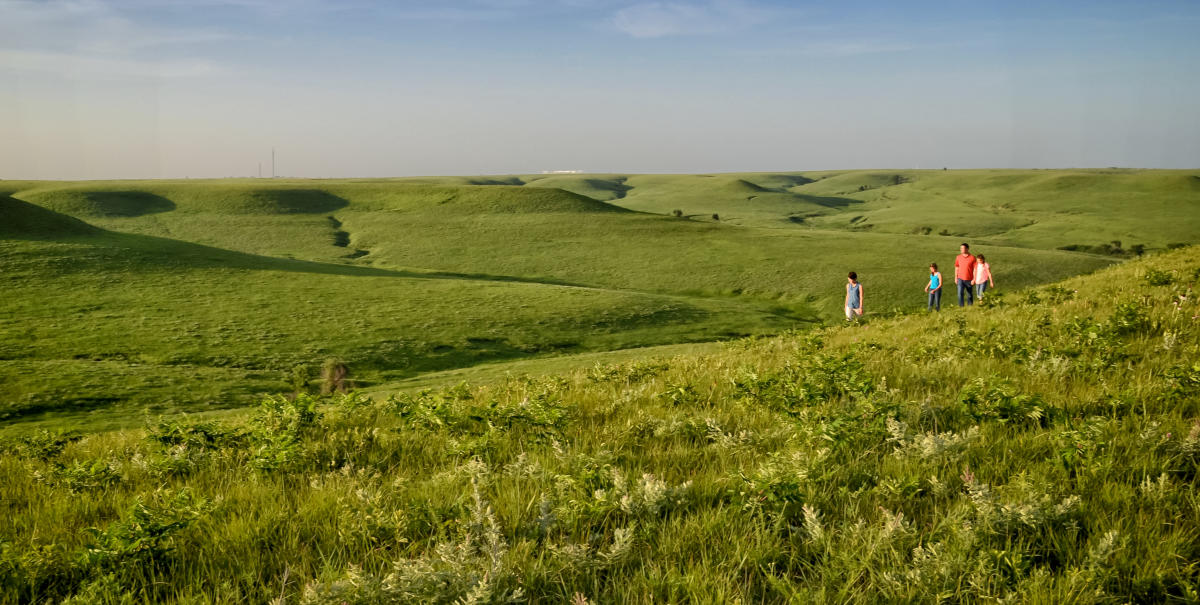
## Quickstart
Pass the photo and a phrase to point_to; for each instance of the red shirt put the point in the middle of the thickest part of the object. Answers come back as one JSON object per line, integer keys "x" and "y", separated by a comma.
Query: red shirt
{"x": 964, "y": 267}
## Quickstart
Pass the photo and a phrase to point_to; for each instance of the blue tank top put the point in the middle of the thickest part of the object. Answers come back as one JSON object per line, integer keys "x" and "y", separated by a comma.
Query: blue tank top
{"x": 855, "y": 291}
{"x": 934, "y": 281}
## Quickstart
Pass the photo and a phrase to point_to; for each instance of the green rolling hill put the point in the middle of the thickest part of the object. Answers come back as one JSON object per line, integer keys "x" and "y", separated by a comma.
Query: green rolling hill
{"x": 124, "y": 296}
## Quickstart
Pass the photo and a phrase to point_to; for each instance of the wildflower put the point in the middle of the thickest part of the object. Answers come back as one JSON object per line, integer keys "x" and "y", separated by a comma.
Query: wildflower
{"x": 967, "y": 476}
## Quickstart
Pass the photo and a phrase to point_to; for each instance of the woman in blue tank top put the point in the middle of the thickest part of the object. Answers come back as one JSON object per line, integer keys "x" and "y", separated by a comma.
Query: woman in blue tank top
{"x": 934, "y": 289}
{"x": 854, "y": 297}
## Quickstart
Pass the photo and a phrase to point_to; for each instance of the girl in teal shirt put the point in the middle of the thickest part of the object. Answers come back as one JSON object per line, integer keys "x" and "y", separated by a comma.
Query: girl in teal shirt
{"x": 934, "y": 289}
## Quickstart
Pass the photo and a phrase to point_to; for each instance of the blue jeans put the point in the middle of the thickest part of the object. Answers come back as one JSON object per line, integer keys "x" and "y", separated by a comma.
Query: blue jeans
{"x": 964, "y": 287}
{"x": 935, "y": 300}
{"x": 980, "y": 289}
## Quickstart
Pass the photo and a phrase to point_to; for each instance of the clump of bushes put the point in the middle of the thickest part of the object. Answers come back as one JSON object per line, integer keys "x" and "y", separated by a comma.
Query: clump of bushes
{"x": 994, "y": 398}
{"x": 1155, "y": 277}
{"x": 42, "y": 445}
{"x": 1113, "y": 248}
{"x": 812, "y": 379}
{"x": 334, "y": 377}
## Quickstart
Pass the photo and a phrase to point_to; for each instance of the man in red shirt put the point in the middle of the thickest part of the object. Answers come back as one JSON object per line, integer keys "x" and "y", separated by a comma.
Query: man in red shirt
{"x": 964, "y": 274}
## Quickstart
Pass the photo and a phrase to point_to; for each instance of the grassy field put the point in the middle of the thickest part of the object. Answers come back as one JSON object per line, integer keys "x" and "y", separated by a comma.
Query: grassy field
{"x": 1041, "y": 448}
{"x": 132, "y": 297}
{"x": 1039, "y": 208}
{"x": 100, "y": 326}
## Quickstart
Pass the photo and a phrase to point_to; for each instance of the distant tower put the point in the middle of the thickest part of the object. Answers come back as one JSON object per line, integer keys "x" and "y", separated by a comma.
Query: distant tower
{"x": 272, "y": 162}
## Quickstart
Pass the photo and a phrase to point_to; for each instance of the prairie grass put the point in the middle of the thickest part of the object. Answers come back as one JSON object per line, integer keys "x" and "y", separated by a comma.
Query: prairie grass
{"x": 1041, "y": 448}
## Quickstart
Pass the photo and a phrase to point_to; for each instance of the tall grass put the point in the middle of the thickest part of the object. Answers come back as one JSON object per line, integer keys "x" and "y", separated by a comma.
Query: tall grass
{"x": 1041, "y": 448}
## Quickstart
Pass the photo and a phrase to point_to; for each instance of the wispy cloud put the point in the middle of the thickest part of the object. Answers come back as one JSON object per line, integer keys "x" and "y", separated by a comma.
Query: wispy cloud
{"x": 835, "y": 48}
{"x": 76, "y": 38}
{"x": 659, "y": 19}
{"x": 78, "y": 66}
{"x": 848, "y": 48}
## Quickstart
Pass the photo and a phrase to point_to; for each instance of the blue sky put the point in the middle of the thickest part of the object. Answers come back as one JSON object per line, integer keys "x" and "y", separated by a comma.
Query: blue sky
{"x": 203, "y": 88}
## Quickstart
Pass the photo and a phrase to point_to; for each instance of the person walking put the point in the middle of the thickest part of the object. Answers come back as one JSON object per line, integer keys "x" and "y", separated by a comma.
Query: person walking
{"x": 964, "y": 274}
{"x": 934, "y": 289}
{"x": 854, "y": 297}
{"x": 983, "y": 276}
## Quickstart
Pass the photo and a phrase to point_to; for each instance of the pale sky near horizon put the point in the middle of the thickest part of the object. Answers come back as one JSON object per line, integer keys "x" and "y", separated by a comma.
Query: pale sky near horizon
{"x": 352, "y": 88}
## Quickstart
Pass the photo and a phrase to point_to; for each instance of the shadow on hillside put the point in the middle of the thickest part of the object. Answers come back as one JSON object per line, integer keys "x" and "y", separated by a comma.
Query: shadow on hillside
{"x": 21, "y": 220}
{"x": 829, "y": 201}
{"x": 778, "y": 182}
{"x": 127, "y": 203}
{"x": 616, "y": 186}
{"x": 290, "y": 201}
{"x": 25, "y": 221}
{"x": 156, "y": 253}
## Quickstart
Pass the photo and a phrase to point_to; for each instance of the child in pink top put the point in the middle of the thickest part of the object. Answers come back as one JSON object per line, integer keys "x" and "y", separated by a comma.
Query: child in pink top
{"x": 983, "y": 276}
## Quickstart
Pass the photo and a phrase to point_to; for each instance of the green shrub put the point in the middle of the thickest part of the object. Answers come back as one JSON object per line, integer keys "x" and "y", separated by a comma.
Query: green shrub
{"x": 300, "y": 379}
{"x": 993, "y": 300}
{"x": 779, "y": 488}
{"x": 277, "y": 452}
{"x": 1155, "y": 277}
{"x": 998, "y": 399}
{"x": 43, "y": 445}
{"x": 812, "y": 379}
{"x": 1079, "y": 447}
{"x": 146, "y": 534}
{"x": 1129, "y": 318}
{"x": 281, "y": 415}
{"x": 197, "y": 435}
{"x": 538, "y": 417}
{"x": 334, "y": 377}
{"x": 38, "y": 572}
{"x": 1058, "y": 294}
{"x": 680, "y": 395}
{"x": 1183, "y": 384}
{"x": 81, "y": 476}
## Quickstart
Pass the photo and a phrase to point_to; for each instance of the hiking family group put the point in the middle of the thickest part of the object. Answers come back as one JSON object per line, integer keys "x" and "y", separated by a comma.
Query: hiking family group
{"x": 972, "y": 275}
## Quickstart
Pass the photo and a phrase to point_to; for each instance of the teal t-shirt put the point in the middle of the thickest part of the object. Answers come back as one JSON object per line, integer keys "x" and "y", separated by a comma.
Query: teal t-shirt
{"x": 934, "y": 281}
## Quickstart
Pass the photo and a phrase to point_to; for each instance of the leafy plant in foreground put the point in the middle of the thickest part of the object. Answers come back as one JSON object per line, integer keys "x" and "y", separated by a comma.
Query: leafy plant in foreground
{"x": 1156, "y": 277}
{"x": 81, "y": 475}
{"x": 44, "y": 445}
{"x": 993, "y": 398}
{"x": 146, "y": 534}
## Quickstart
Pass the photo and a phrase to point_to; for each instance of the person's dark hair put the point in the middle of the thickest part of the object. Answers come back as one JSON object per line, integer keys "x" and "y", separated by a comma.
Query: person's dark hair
{"x": 933, "y": 266}
{"x": 980, "y": 257}
{"x": 853, "y": 276}
{"x": 966, "y": 245}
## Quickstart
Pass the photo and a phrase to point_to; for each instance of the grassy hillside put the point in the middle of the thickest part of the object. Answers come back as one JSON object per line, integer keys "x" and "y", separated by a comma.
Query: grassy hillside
{"x": 550, "y": 234}
{"x": 27, "y": 221}
{"x": 741, "y": 199}
{"x": 1036, "y": 208}
{"x": 1043, "y": 448}
{"x": 98, "y": 325}
{"x": 195, "y": 295}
